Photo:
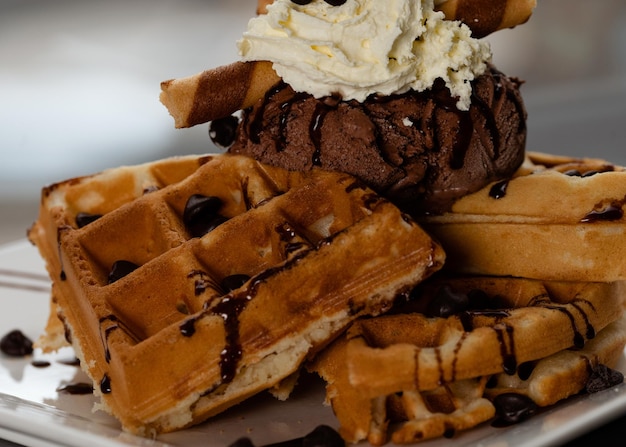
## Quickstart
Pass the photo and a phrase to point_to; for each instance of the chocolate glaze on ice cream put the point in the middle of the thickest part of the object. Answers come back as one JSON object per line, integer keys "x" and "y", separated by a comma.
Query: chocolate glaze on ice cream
{"x": 395, "y": 93}
{"x": 416, "y": 148}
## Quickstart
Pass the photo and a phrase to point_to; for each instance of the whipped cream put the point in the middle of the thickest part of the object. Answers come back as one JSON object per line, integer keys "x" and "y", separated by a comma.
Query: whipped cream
{"x": 365, "y": 47}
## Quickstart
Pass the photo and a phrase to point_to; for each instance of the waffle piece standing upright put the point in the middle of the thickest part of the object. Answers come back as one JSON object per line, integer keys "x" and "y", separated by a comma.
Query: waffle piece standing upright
{"x": 174, "y": 323}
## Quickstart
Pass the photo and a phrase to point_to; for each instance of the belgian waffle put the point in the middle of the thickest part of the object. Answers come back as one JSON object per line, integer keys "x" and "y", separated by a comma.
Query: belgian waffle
{"x": 189, "y": 284}
{"x": 568, "y": 212}
{"x": 436, "y": 375}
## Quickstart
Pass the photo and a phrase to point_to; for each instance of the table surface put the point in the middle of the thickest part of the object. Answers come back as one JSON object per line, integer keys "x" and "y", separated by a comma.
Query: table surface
{"x": 80, "y": 84}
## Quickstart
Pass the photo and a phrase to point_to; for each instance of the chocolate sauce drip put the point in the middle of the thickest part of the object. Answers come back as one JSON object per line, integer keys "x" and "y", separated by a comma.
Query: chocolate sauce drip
{"x": 573, "y": 173}
{"x": 120, "y": 269}
{"x": 457, "y": 348}
{"x": 83, "y": 219}
{"x": 525, "y": 370}
{"x": 229, "y": 308}
{"x": 67, "y": 333}
{"x": 467, "y": 317}
{"x": 371, "y": 200}
{"x": 315, "y": 132}
{"x": 107, "y": 325}
{"x": 62, "y": 275}
{"x": 233, "y": 282}
{"x": 105, "y": 384}
{"x": 285, "y": 108}
{"x": 442, "y": 377}
{"x": 579, "y": 339}
{"x": 507, "y": 348}
{"x": 287, "y": 233}
{"x": 416, "y": 363}
{"x": 322, "y": 108}
{"x": 202, "y": 282}
{"x": 591, "y": 172}
{"x": 591, "y": 331}
{"x": 354, "y": 185}
{"x": 504, "y": 333}
{"x": 256, "y": 125}
{"x": 609, "y": 213}
{"x": 76, "y": 388}
{"x": 466, "y": 129}
{"x": 188, "y": 327}
{"x": 498, "y": 190}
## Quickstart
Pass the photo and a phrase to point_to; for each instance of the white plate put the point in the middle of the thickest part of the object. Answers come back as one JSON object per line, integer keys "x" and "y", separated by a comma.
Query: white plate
{"x": 33, "y": 412}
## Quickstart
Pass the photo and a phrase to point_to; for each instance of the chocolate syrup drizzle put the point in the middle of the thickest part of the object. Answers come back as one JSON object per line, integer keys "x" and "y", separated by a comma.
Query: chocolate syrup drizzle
{"x": 230, "y": 306}
{"x": 287, "y": 233}
{"x": 481, "y": 112}
{"x": 107, "y": 325}
{"x": 505, "y": 334}
{"x": 612, "y": 212}
{"x": 62, "y": 275}
{"x": 202, "y": 281}
{"x": 602, "y": 212}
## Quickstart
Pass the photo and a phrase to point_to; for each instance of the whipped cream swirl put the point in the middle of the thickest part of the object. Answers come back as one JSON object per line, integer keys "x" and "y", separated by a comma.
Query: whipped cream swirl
{"x": 366, "y": 47}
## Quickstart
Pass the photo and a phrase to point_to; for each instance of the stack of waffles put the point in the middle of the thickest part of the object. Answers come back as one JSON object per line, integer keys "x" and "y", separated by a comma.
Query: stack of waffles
{"x": 187, "y": 285}
{"x": 526, "y": 311}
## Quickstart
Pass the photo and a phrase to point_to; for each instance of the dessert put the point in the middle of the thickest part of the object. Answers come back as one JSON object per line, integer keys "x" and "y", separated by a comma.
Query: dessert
{"x": 415, "y": 101}
{"x": 187, "y": 285}
{"x": 360, "y": 124}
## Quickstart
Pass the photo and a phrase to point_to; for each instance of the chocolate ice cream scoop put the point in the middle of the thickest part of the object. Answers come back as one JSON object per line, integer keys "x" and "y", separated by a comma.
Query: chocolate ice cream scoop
{"x": 417, "y": 149}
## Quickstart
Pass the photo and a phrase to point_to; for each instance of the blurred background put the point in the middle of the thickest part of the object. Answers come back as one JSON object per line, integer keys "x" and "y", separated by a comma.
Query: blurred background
{"x": 79, "y": 83}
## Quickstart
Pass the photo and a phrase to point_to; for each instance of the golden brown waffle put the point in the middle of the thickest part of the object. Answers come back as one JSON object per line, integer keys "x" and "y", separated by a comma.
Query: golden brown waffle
{"x": 431, "y": 373}
{"x": 559, "y": 218}
{"x": 565, "y": 373}
{"x": 94, "y": 196}
{"x": 167, "y": 341}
